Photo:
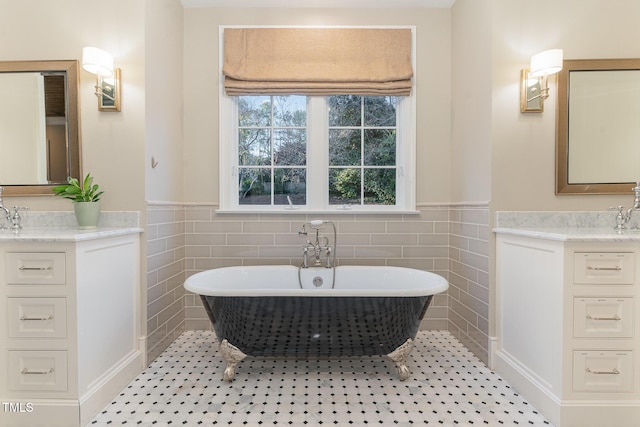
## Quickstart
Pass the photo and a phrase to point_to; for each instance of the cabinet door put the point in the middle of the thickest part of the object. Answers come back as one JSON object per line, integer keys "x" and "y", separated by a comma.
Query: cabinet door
{"x": 35, "y": 268}
{"x": 603, "y": 268}
{"x": 32, "y": 370}
{"x": 603, "y": 317}
{"x": 603, "y": 371}
{"x": 37, "y": 317}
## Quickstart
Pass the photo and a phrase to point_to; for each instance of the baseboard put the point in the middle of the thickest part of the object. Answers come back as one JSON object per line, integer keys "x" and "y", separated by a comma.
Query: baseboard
{"x": 599, "y": 413}
{"x": 564, "y": 413}
{"x": 528, "y": 386}
{"x": 142, "y": 345}
{"x": 493, "y": 349}
{"x": 41, "y": 412}
{"x": 105, "y": 388}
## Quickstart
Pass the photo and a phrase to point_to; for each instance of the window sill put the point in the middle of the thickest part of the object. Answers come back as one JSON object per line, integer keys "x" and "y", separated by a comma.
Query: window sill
{"x": 289, "y": 211}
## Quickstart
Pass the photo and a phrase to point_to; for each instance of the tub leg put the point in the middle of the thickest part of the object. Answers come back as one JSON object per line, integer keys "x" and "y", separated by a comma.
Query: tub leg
{"x": 232, "y": 355}
{"x": 399, "y": 356}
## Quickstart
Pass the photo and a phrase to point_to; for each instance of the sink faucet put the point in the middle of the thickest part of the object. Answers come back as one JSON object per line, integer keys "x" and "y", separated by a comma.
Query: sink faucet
{"x": 636, "y": 199}
{"x": 623, "y": 218}
{"x": 7, "y": 213}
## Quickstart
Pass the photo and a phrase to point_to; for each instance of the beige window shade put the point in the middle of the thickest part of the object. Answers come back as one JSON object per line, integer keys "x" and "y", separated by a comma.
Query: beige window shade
{"x": 317, "y": 61}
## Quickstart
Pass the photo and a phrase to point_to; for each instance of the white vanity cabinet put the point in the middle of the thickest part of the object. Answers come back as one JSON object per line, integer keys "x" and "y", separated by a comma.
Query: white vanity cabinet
{"x": 69, "y": 324}
{"x": 568, "y": 326}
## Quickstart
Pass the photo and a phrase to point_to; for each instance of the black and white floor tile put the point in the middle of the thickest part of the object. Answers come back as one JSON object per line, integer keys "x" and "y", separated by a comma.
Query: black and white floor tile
{"x": 449, "y": 386}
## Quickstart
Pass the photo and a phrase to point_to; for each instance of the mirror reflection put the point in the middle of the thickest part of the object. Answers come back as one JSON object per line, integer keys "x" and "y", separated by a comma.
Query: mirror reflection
{"x": 38, "y": 125}
{"x": 598, "y": 129}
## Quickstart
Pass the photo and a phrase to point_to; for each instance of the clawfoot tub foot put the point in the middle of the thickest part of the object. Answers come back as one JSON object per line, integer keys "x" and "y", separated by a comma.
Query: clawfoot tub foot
{"x": 232, "y": 355}
{"x": 399, "y": 357}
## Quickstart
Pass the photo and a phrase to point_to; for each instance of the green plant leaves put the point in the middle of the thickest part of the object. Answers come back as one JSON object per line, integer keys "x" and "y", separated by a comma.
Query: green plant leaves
{"x": 79, "y": 192}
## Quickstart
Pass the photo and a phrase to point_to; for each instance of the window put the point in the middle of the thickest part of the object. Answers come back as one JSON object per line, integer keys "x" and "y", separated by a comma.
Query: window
{"x": 325, "y": 151}
{"x": 341, "y": 152}
{"x": 271, "y": 162}
{"x": 362, "y": 150}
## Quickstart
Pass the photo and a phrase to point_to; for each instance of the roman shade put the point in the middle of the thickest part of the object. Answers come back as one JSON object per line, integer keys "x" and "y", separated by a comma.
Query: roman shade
{"x": 317, "y": 61}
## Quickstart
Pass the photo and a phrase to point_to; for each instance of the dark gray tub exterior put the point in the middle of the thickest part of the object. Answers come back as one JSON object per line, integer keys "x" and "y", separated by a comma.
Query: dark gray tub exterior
{"x": 310, "y": 326}
{"x": 282, "y": 310}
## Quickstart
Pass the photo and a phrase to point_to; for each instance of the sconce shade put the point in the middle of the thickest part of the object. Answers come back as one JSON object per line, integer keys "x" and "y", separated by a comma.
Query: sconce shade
{"x": 97, "y": 61}
{"x": 546, "y": 63}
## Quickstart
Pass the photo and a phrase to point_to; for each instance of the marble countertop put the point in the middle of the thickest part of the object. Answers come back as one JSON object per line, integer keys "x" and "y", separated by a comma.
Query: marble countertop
{"x": 566, "y": 226}
{"x": 573, "y": 234}
{"x": 64, "y": 234}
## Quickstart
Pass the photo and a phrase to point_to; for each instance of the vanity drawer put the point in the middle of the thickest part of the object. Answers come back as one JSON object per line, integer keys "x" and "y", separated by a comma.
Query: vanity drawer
{"x": 603, "y": 371}
{"x": 603, "y": 317}
{"x": 603, "y": 268}
{"x": 35, "y": 268}
{"x": 37, "y": 370}
{"x": 37, "y": 317}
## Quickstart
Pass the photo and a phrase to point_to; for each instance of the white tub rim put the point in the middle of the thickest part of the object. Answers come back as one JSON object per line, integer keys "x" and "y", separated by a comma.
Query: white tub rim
{"x": 200, "y": 283}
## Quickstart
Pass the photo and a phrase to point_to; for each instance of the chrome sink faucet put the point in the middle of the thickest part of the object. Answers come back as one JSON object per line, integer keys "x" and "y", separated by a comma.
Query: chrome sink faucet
{"x": 14, "y": 219}
{"x": 7, "y": 213}
{"x": 622, "y": 217}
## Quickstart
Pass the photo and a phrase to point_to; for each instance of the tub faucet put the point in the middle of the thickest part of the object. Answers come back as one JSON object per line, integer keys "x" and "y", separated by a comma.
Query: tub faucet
{"x": 319, "y": 246}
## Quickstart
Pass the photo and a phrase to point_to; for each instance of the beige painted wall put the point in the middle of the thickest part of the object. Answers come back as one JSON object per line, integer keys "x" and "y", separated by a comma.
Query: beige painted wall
{"x": 163, "y": 99}
{"x": 451, "y": 133}
{"x": 471, "y": 101}
{"x": 523, "y": 158}
{"x": 201, "y": 85}
{"x": 113, "y": 143}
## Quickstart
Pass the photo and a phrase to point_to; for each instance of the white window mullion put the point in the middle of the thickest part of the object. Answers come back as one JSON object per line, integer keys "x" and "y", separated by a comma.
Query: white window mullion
{"x": 406, "y": 152}
{"x": 228, "y": 153}
{"x": 272, "y": 141}
{"x": 317, "y": 153}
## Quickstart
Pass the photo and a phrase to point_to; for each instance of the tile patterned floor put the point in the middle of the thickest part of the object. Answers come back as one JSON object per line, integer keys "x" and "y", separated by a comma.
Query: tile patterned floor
{"x": 448, "y": 387}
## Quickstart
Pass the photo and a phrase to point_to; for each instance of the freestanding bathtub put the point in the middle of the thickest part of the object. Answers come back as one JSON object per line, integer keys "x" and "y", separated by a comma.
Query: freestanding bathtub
{"x": 288, "y": 311}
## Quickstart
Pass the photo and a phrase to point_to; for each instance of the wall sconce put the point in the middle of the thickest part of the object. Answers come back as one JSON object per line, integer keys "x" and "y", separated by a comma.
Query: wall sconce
{"x": 100, "y": 63}
{"x": 534, "y": 87}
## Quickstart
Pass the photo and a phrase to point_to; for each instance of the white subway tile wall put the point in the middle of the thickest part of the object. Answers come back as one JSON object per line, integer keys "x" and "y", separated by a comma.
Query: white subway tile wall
{"x": 448, "y": 240}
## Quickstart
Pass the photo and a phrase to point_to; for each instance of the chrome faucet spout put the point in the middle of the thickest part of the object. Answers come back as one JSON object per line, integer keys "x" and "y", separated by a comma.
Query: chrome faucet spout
{"x": 321, "y": 246}
{"x": 7, "y": 212}
{"x": 636, "y": 198}
{"x": 623, "y": 218}
{"x": 636, "y": 202}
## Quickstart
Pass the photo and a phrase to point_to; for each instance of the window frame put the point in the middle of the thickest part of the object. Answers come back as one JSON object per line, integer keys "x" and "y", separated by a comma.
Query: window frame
{"x": 317, "y": 164}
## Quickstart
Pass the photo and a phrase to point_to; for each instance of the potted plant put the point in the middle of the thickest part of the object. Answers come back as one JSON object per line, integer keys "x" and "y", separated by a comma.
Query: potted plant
{"x": 86, "y": 197}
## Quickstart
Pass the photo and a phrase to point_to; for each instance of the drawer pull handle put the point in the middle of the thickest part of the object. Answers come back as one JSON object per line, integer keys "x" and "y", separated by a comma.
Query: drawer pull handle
{"x": 23, "y": 268}
{"x": 614, "y": 371}
{"x": 614, "y": 317}
{"x": 49, "y": 317}
{"x": 604, "y": 268}
{"x": 26, "y": 371}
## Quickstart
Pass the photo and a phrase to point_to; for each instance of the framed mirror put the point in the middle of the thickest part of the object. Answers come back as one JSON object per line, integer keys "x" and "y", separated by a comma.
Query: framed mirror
{"x": 39, "y": 126}
{"x": 598, "y": 126}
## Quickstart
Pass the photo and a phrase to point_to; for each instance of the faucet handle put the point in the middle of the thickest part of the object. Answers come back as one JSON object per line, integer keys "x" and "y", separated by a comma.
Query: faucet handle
{"x": 620, "y": 217}
{"x": 16, "y": 219}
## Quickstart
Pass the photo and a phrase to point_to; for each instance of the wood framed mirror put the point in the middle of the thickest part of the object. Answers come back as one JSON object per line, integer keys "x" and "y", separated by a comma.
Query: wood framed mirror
{"x": 598, "y": 126}
{"x": 39, "y": 126}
